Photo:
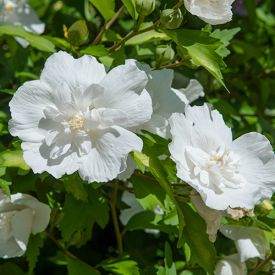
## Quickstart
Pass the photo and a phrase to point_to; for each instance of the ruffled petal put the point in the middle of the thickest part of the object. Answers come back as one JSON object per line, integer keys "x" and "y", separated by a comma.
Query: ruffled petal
{"x": 79, "y": 73}
{"x": 108, "y": 156}
{"x": 212, "y": 12}
{"x": 27, "y": 106}
{"x": 40, "y": 214}
{"x": 124, "y": 90}
{"x": 36, "y": 156}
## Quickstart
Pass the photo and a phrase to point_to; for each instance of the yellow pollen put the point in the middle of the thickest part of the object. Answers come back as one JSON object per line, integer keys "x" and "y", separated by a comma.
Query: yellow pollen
{"x": 76, "y": 122}
{"x": 9, "y": 7}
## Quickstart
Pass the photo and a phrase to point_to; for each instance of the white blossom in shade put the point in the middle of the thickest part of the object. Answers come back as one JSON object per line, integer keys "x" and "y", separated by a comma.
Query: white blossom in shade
{"x": 212, "y": 217}
{"x": 211, "y": 11}
{"x": 226, "y": 173}
{"x": 20, "y": 215}
{"x": 230, "y": 265}
{"x": 19, "y": 13}
{"x": 250, "y": 241}
{"x": 77, "y": 117}
{"x": 165, "y": 99}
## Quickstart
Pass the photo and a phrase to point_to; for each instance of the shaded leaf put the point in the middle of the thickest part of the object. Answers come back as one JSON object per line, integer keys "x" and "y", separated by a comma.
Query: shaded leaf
{"x": 105, "y": 7}
{"x": 77, "y": 267}
{"x": 35, "y": 40}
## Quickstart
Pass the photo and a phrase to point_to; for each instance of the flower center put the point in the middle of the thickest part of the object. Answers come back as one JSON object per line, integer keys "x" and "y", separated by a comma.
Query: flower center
{"x": 217, "y": 170}
{"x": 76, "y": 122}
{"x": 9, "y": 7}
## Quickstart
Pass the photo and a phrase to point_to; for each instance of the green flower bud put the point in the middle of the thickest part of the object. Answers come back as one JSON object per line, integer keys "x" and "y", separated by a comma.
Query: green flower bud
{"x": 78, "y": 33}
{"x": 164, "y": 54}
{"x": 171, "y": 19}
{"x": 145, "y": 7}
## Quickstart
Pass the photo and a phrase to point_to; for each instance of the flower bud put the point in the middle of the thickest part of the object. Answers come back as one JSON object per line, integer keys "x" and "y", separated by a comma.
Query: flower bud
{"x": 145, "y": 7}
{"x": 78, "y": 33}
{"x": 171, "y": 19}
{"x": 164, "y": 54}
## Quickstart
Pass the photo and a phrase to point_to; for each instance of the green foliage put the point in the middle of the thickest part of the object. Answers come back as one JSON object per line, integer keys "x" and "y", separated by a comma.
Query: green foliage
{"x": 33, "y": 250}
{"x": 121, "y": 266}
{"x": 201, "y": 48}
{"x": 76, "y": 266}
{"x": 202, "y": 250}
{"x": 36, "y": 41}
{"x": 95, "y": 210}
{"x": 105, "y": 7}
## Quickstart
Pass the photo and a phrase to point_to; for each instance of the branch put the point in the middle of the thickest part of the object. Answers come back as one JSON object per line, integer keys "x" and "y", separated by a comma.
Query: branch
{"x": 61, "y": 246}
{"x": 108, "y": 25}
{"x": 113, "y": 202}
{"x": 132, "y": 34}
{"x": 260, "y": 265}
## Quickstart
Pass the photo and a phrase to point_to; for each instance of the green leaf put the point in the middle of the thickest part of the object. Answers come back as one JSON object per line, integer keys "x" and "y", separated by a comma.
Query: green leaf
{"x": 35, "y": 40}
{"x": 153, "y": 147}
{"x": 105, "y": 7}
{"x": 77, "y": 267}
{"x": 202, "y": 250}
{"x": 95, "y": 50}
{"x": 72, "y": 221}
{"x": 33, "y": 249}
{"x": 148, "y": 194}
{"x": 148, "y": 36}
{"x": 169, "y": 266}
{"x": 9, "y": 268}
{"x": 201, "y": 48}
{"x": 7, "y": 91}
{"x": 121, "y": 266}
{"x": 131, "y": 7}
{"x": 225, "y": 36}
{"x": 74, "y": 185}
{"x": 94, "y": 210}
{"x": 5, "y": 186}
{"x": 13, "y": 159}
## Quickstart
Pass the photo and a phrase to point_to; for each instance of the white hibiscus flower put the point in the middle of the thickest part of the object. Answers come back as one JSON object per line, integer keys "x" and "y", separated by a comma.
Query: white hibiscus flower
{"x": 230, "y": 265}
{"x": 20, "y": 215}
{"x": 76, "y": 117}
{"x": 250, "y": 241}
{"x": 18, "y": 12}
{"x": 165, "y": 99}
{"x": 226, "y": 173}
{"x": 211, "y": 11}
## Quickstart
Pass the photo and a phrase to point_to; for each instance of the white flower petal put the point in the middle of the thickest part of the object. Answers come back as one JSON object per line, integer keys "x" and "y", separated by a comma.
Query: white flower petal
{"x": 37, "y": 157}
{"x": 130, "y": 168}
{"x": 134, "y": 207}
{"x": 82, "y": 72}
{"x": 230, "y": 265}
{"x": 235, "y": 174}
{"x": 211, "y": 11}
{"x": 108, "y": 157}
{"x": 192, "y": 92}
{"x": 250, "y": 241}
{"x": 21, "y": 227}
{"x": 27, "y": 107}
{"x": 256, "y": 144}
{"x": 124, "y": 90}
{"x": 40, "y": 211}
